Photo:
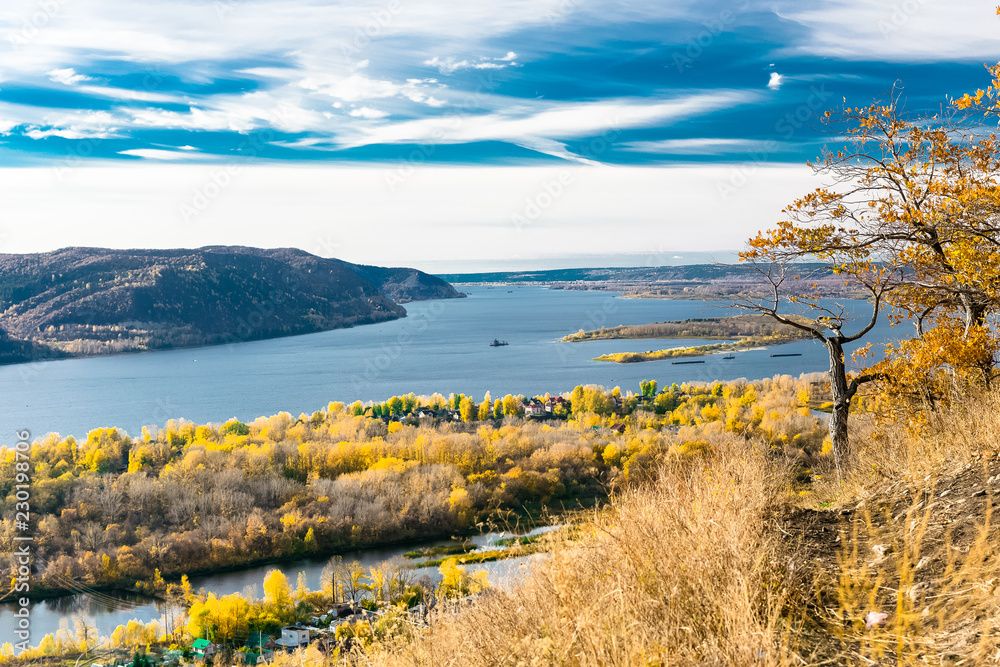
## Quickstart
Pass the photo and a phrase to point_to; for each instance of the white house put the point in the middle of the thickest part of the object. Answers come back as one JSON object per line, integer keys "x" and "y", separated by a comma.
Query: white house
{"x": 294, "y": 636}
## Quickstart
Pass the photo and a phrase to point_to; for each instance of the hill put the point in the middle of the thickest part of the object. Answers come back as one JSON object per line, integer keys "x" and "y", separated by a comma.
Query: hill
{"x": 403, "y": 285}
{"x": 689, "y": 281}
{"x": 85, "y": 301}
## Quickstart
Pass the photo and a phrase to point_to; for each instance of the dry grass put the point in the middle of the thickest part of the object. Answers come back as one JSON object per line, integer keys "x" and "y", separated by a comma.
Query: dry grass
{"x": 915, "y": 539}
{"x": 710, "y": 563}
{"x": 681, "y": 571}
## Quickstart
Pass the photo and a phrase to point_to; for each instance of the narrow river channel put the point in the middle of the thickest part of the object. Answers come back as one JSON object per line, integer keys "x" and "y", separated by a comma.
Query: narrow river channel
{"x": 107, "y": 611}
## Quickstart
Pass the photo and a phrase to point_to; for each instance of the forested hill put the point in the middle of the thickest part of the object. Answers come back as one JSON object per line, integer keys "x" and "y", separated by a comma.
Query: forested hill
{"x": 402, "y": 284}
{"x": 84, "y": 301}
{"x": 688, "y": 281}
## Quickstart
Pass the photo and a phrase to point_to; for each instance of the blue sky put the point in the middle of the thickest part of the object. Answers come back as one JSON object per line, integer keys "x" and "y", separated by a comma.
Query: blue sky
{"x": 507, "y": 133}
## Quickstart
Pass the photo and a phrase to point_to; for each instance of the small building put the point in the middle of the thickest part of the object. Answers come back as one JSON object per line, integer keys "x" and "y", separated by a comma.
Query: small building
{"x": 534, "y": 408}
{"x": 203, "y": 648}
{"x": 294, "y": 636}
{"x": 260, "y": 642}
{"x": 254, "y": 659}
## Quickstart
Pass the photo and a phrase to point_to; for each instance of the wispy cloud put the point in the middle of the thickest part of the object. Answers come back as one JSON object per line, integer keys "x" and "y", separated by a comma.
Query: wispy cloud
{"x": 450, "y": 65}
{"x": 540, "y": 126}
{"x": 67, "y": 76}
{"x": 183, "y": 153}
{"x": 546, "y": 75}
{"x": 368, "y": 112}
{"x": 699, "y": 146}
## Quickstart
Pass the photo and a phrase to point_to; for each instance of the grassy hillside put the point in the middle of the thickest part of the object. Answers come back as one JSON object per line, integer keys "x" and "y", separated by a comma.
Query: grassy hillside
{"x": 730, "y": 555}
{"x": 727, "y": 542}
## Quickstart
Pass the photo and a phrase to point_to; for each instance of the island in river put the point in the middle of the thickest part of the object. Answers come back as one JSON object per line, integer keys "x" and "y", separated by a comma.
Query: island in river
{"x": 749, "y": 330}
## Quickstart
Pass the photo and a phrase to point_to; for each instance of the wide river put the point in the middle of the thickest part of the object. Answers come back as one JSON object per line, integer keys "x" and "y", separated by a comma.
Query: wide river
{"x": 442, "y": 346}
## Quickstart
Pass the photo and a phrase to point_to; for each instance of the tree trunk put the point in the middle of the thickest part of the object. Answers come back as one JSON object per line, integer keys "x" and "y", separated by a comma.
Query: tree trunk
{"x": 842, "y": 395}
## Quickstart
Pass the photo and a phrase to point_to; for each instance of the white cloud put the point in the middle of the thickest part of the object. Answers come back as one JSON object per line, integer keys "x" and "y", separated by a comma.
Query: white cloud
{"x": 66, "y": 133}
{"x": 185, "y": 153}
{"x": 700, "y": 146}
{"x": 921, "y": 30}
{"x": 237, "y": 113}
{"x": 774, "y": 83}
{"x": 354, "y": 88}
{"x": 131, "y": 95}
{"x": 368, "y": 112}
{"x": 79, "y": 125}
{"x": 358, "y": 88}
{"x": 67, "y": 76}
{"x": 530, "y": 126}
{"x": 449, "y": 65}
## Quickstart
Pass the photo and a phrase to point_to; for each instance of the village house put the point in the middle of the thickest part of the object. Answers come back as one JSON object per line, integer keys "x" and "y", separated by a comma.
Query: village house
{"x": 554, "y": 402}
{"x": 534, "y": 408}
{"x": 260, "y": 642}
{"x": 294, "y": 636}
{"x": 202, "y": 648}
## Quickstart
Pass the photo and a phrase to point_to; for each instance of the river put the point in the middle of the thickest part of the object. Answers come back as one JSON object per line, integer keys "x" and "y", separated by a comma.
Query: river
{"x": 106, "y": 611}
{"x": 442, "y": 346}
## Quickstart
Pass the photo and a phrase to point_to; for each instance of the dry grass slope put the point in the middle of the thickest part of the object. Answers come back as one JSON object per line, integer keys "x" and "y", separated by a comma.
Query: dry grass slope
{"x": 718, "y": 561}
{"x": 681, "y": 571}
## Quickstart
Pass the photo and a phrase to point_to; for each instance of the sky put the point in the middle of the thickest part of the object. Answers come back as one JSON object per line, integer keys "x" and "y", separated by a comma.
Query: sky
{"x": 446, "y": 135}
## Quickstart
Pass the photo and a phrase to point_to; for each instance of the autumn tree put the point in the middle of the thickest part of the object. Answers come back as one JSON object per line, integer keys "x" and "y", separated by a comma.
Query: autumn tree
{"x": 912, "y": 216}
{"x": 277, "y": 591}
{"x": 467, "y": 409}
{"x": 772, "y": 256}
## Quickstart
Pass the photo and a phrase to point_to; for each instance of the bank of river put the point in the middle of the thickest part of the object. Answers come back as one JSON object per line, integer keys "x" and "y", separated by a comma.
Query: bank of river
{"x": 105, "y": 611}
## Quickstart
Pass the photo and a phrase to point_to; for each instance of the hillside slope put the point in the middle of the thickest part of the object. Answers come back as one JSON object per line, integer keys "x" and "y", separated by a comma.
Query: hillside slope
{"x": 84, "y": 301}
{"x": 403, "y": 284}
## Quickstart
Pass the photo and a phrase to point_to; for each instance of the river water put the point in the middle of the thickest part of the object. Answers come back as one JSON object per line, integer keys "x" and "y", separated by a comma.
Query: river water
{"x": 442, "y": 346}
{"x": 106, "y": 611}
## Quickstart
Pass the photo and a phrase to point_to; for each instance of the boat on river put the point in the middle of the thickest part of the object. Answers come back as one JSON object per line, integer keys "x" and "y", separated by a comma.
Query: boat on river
{"x": 679, "y": 363}
{"x": 788, "y": 354}
{"x": 498, "y": 343}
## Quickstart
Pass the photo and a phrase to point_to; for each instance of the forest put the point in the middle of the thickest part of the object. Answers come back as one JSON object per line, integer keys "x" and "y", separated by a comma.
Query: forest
{"x": 138, "y": 514}
{"x": 92, "y": 301}
{"x": 113, "y": 510}
{"x": 736, "y": 326}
